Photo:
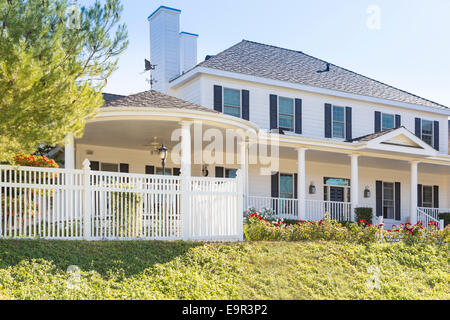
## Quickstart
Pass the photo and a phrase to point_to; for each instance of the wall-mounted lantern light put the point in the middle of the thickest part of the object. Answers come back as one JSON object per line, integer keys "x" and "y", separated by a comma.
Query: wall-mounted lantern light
{"x": 205, "y": 171}
{"x": 312, "y": 188}
{"x": 366, "y": 192}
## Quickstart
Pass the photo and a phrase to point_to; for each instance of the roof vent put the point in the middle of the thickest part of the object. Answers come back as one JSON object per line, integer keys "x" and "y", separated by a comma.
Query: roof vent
{"x": 326, "y": 70}
{"x": 208, "y": 57}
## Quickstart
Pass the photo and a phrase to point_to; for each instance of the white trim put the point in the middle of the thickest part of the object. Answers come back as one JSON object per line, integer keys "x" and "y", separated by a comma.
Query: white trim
{"x": 285, "y": 84}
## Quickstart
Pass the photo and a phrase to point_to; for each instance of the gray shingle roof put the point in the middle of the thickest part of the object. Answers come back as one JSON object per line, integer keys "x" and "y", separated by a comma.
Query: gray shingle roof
{"x": 154, "y": 99}
{"x": 111, "y": 96}
{"x": 276, "y": 63}
{"x": 372, "y": 136}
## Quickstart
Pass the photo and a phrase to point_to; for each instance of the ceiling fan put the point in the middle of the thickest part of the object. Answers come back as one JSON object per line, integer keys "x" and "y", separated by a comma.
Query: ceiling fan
{"x": 154, "y": 146}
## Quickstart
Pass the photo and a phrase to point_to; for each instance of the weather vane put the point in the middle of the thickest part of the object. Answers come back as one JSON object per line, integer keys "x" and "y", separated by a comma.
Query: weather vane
{"x": 149, "y": 68}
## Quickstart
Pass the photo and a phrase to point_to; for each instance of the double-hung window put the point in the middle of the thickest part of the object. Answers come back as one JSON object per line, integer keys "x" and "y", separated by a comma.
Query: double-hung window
{"x": 230, "y": 173}
{"x": 387, "y": 121}
{"x": 286, "y": 114}
{"x": 232, "y": 102}
{"x": 427, "y": 131}
{"x": 388, "y": 200}
{"x": 427, "y": 196}
{"x": 109, "y": 167}
{"x": 338, "y": 122}
{"x": 286, "y": 186}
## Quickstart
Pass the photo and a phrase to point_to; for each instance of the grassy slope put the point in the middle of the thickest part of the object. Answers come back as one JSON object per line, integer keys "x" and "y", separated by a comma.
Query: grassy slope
{"x": 260, "y": 270}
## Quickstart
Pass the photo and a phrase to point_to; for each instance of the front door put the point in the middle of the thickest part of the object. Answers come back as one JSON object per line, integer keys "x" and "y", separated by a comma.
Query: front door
{"x": 337, "y": 194}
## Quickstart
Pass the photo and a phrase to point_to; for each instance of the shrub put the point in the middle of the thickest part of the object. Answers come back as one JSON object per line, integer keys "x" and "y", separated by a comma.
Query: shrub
{"x": 127, "y": 211}
{"x": 34, "y": 161}
{"x": 258, "y": 229}
{"x": 364, "y": 214}
{"x": 446, "y": 217}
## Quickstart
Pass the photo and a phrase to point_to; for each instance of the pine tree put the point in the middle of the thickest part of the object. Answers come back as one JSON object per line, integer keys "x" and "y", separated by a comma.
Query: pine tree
{"x": 55, "y": 58}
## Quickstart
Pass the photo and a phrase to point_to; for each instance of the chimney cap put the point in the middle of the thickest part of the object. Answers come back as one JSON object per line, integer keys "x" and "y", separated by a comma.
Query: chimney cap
{"x": 189, "y": 34}
{"x": 163, "y": 8}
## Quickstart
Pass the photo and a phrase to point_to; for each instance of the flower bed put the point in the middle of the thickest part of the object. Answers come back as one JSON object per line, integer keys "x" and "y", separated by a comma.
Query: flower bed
{"x": 258, "y": 228}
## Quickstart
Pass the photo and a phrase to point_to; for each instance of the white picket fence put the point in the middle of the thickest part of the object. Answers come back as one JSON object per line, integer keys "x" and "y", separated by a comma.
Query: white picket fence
{"x": 93, "y": 205}
{"x": 427, "y": 215}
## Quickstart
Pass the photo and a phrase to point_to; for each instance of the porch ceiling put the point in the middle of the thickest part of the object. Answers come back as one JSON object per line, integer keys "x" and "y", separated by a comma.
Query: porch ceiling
{"x": 135, "y": 134}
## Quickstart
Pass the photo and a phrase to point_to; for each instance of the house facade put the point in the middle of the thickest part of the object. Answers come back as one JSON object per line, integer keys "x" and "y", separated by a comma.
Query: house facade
{"x": 342, "y": 140}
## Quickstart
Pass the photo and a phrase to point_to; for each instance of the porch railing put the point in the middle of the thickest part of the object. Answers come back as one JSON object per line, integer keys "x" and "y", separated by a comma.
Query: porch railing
{"x": 315, "y": 209}
{"x": 282, "y": 207}
{"x": 427, "y": 215}
{"x": 340, "y": 211}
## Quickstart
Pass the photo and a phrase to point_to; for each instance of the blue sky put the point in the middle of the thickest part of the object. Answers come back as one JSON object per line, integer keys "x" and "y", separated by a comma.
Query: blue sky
{"x": 411, "y": 50}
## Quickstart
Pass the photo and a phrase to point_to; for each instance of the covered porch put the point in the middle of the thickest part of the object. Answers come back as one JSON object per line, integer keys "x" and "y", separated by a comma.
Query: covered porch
{"x": 396, "y": 174}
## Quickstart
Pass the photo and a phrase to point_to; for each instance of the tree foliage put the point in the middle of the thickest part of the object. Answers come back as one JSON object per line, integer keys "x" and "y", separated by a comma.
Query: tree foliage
{"x": 55, "y": 57}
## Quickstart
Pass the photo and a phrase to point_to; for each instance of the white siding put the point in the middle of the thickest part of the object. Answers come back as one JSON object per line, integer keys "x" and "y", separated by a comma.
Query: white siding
{"x": 313, "y": 108}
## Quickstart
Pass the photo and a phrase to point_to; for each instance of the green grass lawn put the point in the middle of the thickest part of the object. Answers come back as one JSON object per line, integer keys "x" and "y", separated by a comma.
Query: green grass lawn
{"x": 250, "y": 270}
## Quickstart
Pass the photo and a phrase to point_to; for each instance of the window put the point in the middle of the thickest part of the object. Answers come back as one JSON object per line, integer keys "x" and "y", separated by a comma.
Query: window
{"x": 387, "y": 121}
{"x": 286, "y": 186}
{"x": 159, "y": 171}
{"x": 109, "y": 167}
{"x": 230, "y": 173}
{"x": 427, "y": 131}
{"x": 427, "y": 196}
{"x": 388, "y": 200}
{"x": 338, "y": 122}
{"x": 232, "y": 102}
{"x": 286, "y": 113}
{"x": 336, "y": 189}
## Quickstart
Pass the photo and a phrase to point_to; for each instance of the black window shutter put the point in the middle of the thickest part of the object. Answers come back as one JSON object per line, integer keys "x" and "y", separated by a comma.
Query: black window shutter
{"x": 149, "y": 169}
{"x": 327, "y": 120}
{"x": 176, "y": 172}
{"x": 348, "y": 123}
{"x": 124, "y": 167}
{"x": 218, "y": 98}
{"x": 95, "y": 165}
{"x": 377, "y": 121}
{"x": 419, "y": 195}
{"x": 298, "y": 116}
{"x": 418, "y": 129}
{"x": 295, "y": 186}
{"x": 379, "y": 198}
{"x": 245, "y": 105}
{"x": 273, "y": 111}
{"x": 398, "y": 121}
{"x": 436, "y": 135}
{"x": 436, "y": 196}
{"x": 398, "y": 201}
{"x": 295, "y": 208}
{"x": 220, "y": 172}
{"x": 275, "y": 193}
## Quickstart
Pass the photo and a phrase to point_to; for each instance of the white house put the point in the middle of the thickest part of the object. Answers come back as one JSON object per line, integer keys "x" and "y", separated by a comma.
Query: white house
{"x": 345, "y": 140}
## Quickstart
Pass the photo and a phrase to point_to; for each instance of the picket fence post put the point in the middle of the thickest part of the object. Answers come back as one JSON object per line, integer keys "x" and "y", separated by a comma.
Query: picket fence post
{"x": 186, "y": 205}
{"x": 240, "y": 204}
{"x": 87, "y": 200}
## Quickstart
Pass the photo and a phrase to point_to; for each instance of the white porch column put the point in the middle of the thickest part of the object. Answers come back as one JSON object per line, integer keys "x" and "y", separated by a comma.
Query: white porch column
{"x": 301, "y": 183}
{"x": 186, "y": 148}
{"x": 243, "y": 153}
{"x": 69, "y": 152}
{"x": 414, "y": 181}
{"x": 354, "y": 184}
